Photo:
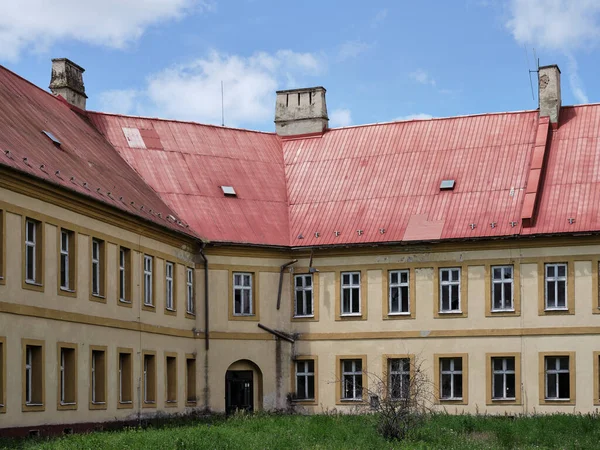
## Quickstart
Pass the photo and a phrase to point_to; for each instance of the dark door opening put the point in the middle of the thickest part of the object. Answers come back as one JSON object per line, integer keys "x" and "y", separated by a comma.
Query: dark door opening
{"x": 239, "y": 391}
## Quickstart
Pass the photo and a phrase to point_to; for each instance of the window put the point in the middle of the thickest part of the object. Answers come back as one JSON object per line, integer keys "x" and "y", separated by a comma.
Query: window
{"x": 33, "y": 375}
{"x": 171, "y": 378}
{"x": 399, "y": 300}
{"x": 242, "y": 294}
{"x": 190, "y": 379}
{"x": 352, "y": 379}
{"x": 124, "y": 276}
{"x": 556, "y": 286}
{"x": 98, "y": 249}
{"x": 305, "y": 380}
{"x": 450, "y": 372}
{"x": 33, "y": 252}
{"x": 399, "y": 378}
{"x": 450, "y": 290}
{"x": 350, "y": 293}
{"x": 2, "y": 253}
{"x": 125, "y": 378}
{"x": 503, "y": 378}
{"x": 68, "y": 262}
{"x": 148, "y": 284}
{"x": 558, "y": 378}
{"x": 2, "y": 375}
{"x": 97, "y": 377}
{"x": 149, "y": 379}
{"x": 502, "y": 288}
{"x": 303, "y": 289}
{"x": 189, "y": 291}
{"x": 67, "y": 376}
{"x": 169, "y": 285}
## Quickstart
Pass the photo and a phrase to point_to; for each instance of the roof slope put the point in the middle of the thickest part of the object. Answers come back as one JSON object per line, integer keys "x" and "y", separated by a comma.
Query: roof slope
{"x": 381, "y": 182}
{"x": 187, "y": 163}
{"x": 571, "y": 187}
{"x": 85, "y": 162}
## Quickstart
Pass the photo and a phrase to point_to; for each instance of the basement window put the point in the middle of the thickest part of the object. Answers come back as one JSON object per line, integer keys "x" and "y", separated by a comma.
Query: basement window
{"x": 229, "y": 191}
{"x": 447, "y": 185}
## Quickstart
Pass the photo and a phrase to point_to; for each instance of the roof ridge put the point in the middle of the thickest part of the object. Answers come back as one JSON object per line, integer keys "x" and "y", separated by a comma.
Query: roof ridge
{"x": 524, "y": 111}
{"x": 190, "y": 122}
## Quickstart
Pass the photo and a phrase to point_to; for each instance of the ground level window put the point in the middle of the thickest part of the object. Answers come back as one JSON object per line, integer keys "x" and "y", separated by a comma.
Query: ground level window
{"x": 125, "y": 377}
{"x": 503, "y": 378}
{"x": 451, "y": 376}
{"x": 399, "y": 378}
{"x": 558, "y": 378}
{"x": 190, "y": 379}
{"x": 98, "y": 378}
{"x": 352, "y": 379}
{"x": 305, "y": 380}
{"x": 33, "y": 376}
{"x": 149, "y": 379}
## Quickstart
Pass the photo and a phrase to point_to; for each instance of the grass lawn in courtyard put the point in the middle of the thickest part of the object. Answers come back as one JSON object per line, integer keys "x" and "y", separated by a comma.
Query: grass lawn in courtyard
{"x": 262, "y": 431}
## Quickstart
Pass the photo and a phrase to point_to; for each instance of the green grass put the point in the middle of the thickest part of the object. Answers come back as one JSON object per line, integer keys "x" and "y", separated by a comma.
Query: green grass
{"x": 441, "y": 431}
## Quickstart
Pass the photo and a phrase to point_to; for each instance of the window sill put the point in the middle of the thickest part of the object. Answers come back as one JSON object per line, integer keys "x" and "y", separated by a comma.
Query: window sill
{"x": 125, "y": 302}
{"x": 64, "y": 289}
{"x": 456, "y": 311}
{"x": 500, "y": 311}
{"x": 33, "y": 407}
{"x": 125, "y": 405}
{"x": 308, "y": 316}
{"x": 398, "y": 316}
{"x": 170, "y": 312}
{"x": 98, "y": 298}
{"x": 66, "y": 406}
{"x": 97, "y": 405}
{"x": 149, "y": 405}
{"x": 148, "y": 307}
{"x": 171, "y": 404}
{"x": 33, "y": 283}
{"x": 33, "y": 286}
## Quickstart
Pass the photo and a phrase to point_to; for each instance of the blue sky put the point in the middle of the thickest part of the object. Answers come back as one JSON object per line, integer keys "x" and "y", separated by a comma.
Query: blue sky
{"x": 379, "y": 60}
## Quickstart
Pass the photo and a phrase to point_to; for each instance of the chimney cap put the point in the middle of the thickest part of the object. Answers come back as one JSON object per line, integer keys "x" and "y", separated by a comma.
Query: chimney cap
{"x": 307, "y": 89}
{"x": 550, "y": 66}
{"x": 68, "y": 61}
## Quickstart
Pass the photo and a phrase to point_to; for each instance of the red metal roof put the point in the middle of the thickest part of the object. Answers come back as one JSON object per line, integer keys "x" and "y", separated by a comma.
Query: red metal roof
{"x": 85, "y": 162}
{"x": 381, "y": 183}
{"x": 571, "y": 187}
{"x": 193, "y": 161}
{"x": 365, "y": 184}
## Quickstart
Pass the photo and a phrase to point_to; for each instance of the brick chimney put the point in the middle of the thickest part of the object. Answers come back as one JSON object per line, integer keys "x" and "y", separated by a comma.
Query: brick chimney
{"x": 549, "y": 93}
{"x": 301, "y": 111}
{"x": 67, "y": 81}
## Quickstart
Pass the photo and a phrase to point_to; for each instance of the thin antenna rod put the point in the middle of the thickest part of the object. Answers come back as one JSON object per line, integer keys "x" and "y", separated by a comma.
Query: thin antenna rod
{"x": 529, "y": 70}
{"x": 222, "y": 106}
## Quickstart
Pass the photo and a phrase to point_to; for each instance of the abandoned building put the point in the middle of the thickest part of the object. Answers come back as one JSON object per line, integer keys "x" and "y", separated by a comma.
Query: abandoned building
{"x": 152, "y": 266}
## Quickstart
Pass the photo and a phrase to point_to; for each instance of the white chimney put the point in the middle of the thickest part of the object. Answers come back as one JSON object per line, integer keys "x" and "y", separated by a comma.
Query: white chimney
{"x": 549, "y": 93}
{"x": 301, "y": 111}
{"x": 67, "y": 81}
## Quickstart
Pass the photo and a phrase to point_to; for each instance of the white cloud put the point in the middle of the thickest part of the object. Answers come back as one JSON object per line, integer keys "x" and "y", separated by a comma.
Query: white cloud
{"x": 417, "y": 116}
{"x": 118, "y": 101}
{"x": 557, "y": 25}
{"x": 422, "y": 76}
{"x": 34, "y": 25}
{"x": 193, "y": 91}
{"x": 351, "y": 49}
{"x": 340, "y": 118}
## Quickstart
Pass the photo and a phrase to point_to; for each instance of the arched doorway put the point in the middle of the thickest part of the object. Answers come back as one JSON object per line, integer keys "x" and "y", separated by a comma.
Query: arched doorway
{"x": 243, "y": 387}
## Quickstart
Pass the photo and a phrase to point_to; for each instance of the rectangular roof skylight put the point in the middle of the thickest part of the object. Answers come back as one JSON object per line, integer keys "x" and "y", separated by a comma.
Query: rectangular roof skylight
{"x": 447, "y": 185}
{"x": 228, "y": 190}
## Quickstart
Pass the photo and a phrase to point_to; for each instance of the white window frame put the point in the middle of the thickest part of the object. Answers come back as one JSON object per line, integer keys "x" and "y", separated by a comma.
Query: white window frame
{"x": 351, "y": 286}
{"x": 148, "y": 269}
{"x": 95, "y": 267}
{"x": 556, "y": 371}
{"x": 302, "y": 290}
{"x": 31, "y": 242}
{"x": 306, "y": 374}
{"x": 402, "y": 373}
{"x": 500, "y": 284}
{"x": 189, "y": 284}
{"x": 504, "y": 372}
{"x": 93, "y": 377}
{"x": 169, "y": 276}
{"x": 120, "y": 377}
{"x": 450, "y": 283}
{"x": 243, "y": 288}
{"x": 64, "y": 259}
{"x": 398, "y": 286}
{"x": 29, "y": 375}
{"x": 452, "y": 372}
{"x": 555, "y": 280}
{"x": 123, "y": 276}
{"x": 351, "y": 376}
